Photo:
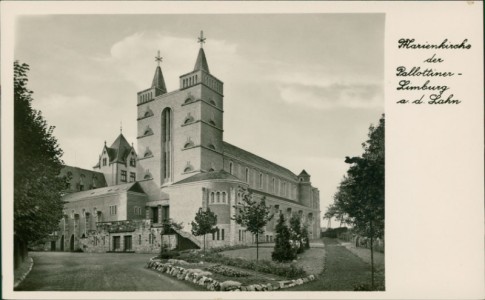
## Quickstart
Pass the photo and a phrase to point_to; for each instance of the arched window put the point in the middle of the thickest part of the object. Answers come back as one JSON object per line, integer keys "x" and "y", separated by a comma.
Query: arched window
{"x": 230, "y": 167}
{"x": 274, "y": 185}
{"x": 166, "y": 140}
{"x": 260, "y": 180}
{"x": 223, "y": 197}
{"x": 212, "y": 197}
{"x": 218, "y": 197}
{"x": 247, "y": 175}
{"x": 188, "y": 144}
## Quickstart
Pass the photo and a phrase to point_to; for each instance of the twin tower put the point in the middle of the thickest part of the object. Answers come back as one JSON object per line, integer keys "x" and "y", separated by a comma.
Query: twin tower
{"x": 180, "y": 133}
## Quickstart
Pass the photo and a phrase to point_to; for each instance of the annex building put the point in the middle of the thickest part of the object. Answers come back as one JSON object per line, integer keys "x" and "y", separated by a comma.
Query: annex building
{"x": 181, "y": 163}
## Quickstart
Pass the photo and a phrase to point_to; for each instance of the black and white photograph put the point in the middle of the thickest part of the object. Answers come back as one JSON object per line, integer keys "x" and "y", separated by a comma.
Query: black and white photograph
{"x": 184, "y": 150}
{"x": 148, "y": 110}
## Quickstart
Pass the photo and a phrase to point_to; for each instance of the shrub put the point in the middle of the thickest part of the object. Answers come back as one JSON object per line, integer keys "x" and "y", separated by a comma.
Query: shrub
{"x": 283, "y": 250}
{"x": 169, "y": 254}
{"x": 334, "y": 232}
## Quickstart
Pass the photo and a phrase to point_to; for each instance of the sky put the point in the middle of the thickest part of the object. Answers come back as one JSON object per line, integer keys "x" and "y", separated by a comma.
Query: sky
{"x": 299, "y": 89}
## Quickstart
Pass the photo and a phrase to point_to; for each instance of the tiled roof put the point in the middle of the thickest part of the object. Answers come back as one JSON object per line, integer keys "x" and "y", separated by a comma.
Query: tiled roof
{"x": 119, "y": 150}
{"x": 76, "y": 173}
{"x": 209, "y": 176}
{"x": 248, "y": 157}
{"x": 115, "y": 189}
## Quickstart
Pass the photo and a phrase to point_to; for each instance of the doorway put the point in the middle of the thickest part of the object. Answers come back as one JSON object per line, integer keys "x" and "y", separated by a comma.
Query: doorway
{"x": 53, "y": 245}
{"x": 71, "y": 242}
{"x": 62, "y": 243}
{"x": 127, "y": 245}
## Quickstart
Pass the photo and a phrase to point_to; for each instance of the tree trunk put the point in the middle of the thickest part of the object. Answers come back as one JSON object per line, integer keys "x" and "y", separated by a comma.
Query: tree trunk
{"x": 372, "y": 254}
{"x": 257, "y": 246}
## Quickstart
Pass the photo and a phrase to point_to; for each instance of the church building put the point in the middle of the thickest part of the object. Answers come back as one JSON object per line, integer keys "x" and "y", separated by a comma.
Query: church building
{"x": 181, "y": 164}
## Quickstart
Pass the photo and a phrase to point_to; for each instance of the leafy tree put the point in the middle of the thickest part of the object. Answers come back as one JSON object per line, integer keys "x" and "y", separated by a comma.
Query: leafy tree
{"x": 282, "y": 248}
{"x": 204, "y": 223}
{"x": 37, "y": 164}
{"x": 295, "y": 231}
{"x": 253, "y": 215}
{"x": 360, "y": 196}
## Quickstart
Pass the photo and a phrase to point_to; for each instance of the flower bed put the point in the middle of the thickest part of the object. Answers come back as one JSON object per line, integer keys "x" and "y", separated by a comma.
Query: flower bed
{"x": 227, "y": 271}
{"x": 264, "y": 266}
{"x": 203, "y": 278}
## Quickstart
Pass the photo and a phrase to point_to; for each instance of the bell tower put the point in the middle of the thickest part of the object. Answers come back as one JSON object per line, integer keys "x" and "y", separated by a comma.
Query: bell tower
{"x": 204, "y": 93}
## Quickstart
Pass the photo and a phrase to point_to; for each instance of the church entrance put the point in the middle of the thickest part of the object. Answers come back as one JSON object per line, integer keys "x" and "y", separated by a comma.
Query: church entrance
{"x": 62, "y": 243}
{"x": 72, "y": 243}
{"x": 53, "y": 245}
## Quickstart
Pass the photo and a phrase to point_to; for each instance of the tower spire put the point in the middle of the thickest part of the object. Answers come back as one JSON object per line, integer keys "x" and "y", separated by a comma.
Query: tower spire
{"x": 158, "y": 81}
{"x": 201, "y": 63}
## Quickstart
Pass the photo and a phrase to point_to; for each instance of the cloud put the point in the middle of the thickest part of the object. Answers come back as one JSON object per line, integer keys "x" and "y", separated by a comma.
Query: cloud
{"x": 133, "y": 57}
{"x": 333, "y": 95}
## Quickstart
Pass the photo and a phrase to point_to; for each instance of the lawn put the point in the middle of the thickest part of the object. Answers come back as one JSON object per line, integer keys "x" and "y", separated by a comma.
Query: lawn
{"x": 343, "y": 271}
{"x": 312, "y": 260}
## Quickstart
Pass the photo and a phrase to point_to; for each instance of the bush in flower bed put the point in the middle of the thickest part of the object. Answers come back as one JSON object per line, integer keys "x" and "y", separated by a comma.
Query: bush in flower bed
{"x": 169, "y": 254}
{"x": 264, "y": 266}
{"x": 227, "y": 271}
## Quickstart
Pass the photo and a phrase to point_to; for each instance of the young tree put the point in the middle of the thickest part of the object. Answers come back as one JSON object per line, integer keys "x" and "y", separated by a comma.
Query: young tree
{"x": 282, "y": 248}
{"x": 37, "y": 164}
{"x": 253, "y": 215}
{"x": 295, "y": 232}
{"x": 204, "y": 223}
{"x": 360, "y": 195}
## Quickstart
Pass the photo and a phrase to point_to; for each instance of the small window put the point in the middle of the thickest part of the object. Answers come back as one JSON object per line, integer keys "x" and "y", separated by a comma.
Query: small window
{"x": 247, "y": 175}
{"x": 123, "y": 175}
{"x": 222, "y": 234}
{"x": 112, "y": 210}
{"x": 212, "y": 122}
{"x": 104, "y": 161}
{"x": 212, "y": 102}
{"x": 212, "y": 197}
{"x": 218, "y": 234}
{"x": 188, "y": 144}
{"x": 132, "y": 176}
{"x": 211, "y": 146}
{"x": 223, "y": 197}
{"x": 230, "y": 167}
{"x": 260, "y": 180}
{"x": 187, "y": 169}
{"x": 218, "y": 197}
{"x": 133, "y": 162}
{"x": 188, "y": 100}
{"x": 148, "y": 153}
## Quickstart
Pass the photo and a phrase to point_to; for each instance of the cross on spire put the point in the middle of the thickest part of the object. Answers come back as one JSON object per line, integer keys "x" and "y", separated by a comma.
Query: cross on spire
{"x": 201, "y": 39}
{"x": 158, "y": 58}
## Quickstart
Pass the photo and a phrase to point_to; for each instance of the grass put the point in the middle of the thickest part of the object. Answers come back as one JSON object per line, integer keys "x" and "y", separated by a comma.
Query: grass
{"x": 343, "y": 271}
